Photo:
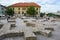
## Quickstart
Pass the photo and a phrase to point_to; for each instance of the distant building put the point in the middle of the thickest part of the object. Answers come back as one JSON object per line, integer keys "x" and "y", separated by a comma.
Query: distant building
{"x": 58, "y": 13}
{"x": 2, "y": 10}
{"x": 20, "y": 8}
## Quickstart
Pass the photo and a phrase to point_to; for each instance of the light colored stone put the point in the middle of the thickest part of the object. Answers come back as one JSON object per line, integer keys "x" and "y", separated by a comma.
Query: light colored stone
{"x": 46, "y": 32}
{"x": 29, "y": 36}
{"x": 11, "y": 20}
{"x": 30, "y": 24}
{"x": 49, "y": 28}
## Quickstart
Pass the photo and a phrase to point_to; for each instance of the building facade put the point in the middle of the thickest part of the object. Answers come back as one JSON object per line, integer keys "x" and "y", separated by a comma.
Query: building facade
{"x": 21, "y": 8}
{"x": 2, "y": 10}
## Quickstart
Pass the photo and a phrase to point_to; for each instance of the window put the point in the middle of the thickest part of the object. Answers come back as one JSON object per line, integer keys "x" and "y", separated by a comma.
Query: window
{"x": 13, "y": 8}
{"x": 36, "y": 8}
{"x": 36, "y": 12}
{"x": 22, "y": 12}
{"x": 18, "y": 8}
{"x": 2, "y": 12}
{"x": 1, "y": 8}
{"x": 19, "y": 12}
{"x": 23, "y": 8}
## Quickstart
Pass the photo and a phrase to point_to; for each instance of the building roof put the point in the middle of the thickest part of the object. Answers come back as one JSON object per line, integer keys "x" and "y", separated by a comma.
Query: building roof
{"x": 25, "y": 4}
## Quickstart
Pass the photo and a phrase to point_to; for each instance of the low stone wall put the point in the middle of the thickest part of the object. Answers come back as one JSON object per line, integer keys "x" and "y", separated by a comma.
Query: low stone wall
{"x": 11, "y": 35}
{"x": 30, "y": 38}
{"x": 11, "y": 20}
{"x": 30, "y": 24}
{"x": 25, "y": 21}
{"x": 29, "y": 35}
{"x": 52, "y": 29}
{"x": 46, "y": 32}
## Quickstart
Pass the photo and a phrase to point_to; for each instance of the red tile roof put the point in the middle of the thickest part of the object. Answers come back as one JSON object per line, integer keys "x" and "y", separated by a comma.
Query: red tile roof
{"x": 25, "y": 4}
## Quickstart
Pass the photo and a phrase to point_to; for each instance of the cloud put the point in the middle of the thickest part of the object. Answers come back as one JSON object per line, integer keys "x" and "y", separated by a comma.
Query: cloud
{"x": 50, "y": 8}
{"x": 46, "y": 5}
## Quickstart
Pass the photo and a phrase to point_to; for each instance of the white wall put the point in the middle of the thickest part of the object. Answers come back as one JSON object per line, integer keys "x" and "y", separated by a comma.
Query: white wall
{"x": 2, "y": 10}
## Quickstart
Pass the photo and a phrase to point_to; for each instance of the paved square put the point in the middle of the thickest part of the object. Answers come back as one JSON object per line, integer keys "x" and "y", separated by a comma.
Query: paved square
{"x": 28, "y": 30}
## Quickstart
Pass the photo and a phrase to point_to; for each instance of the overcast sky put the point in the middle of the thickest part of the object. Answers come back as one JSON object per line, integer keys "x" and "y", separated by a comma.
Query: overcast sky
{"x": 46, "y": 5}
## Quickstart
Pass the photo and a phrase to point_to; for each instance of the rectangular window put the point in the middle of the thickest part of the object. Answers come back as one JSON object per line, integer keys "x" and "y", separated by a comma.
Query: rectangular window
{"x": 13, "y": 8}
{"x": 1, "y": 8}
{"x": 2, "y": 12}
{"x": 18, "y": 8}
{"x": 36, "y": 8}
{"x": 19, "y": 12}
{"x": 22, "y": 12}
{"x": 23, "y": 8}
{"x": 36, "y": 12}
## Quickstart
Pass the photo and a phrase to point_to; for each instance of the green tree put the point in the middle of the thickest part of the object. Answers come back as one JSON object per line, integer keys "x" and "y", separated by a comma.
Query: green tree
{"x": 57, "y": 16}
{"x": 31, "y": 11}
{"x": 42, "y": 14}
{"x": 9, "y": 11}
{"x": 50, "y": 14}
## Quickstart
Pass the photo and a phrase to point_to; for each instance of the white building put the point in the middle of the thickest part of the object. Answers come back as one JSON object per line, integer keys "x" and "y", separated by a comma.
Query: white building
{"x": 2, "y": 10}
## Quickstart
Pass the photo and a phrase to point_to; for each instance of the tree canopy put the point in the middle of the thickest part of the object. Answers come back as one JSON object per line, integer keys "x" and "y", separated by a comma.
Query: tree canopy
{"x": 53, "y": 15}
{"x": 9, "y": 11}
{"x": 50, "y": 14}
{"x": 31, "y": 11}
{"x": 42, "y": 14}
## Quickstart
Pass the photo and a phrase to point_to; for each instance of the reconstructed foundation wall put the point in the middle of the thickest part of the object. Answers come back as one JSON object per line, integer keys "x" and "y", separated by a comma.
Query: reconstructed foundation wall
{"x": 11, "y": 35}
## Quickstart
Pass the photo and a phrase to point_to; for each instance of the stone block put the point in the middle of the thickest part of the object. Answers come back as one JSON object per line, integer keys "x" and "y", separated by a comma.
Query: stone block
{"x": 11, "y": 20}
{"x": 30, "y": 24}
{"x": 25, "y": 21}
{"x": 46, "y": 32}
{"x": 48, "y": 28}
{"x": 29, "y": 36}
